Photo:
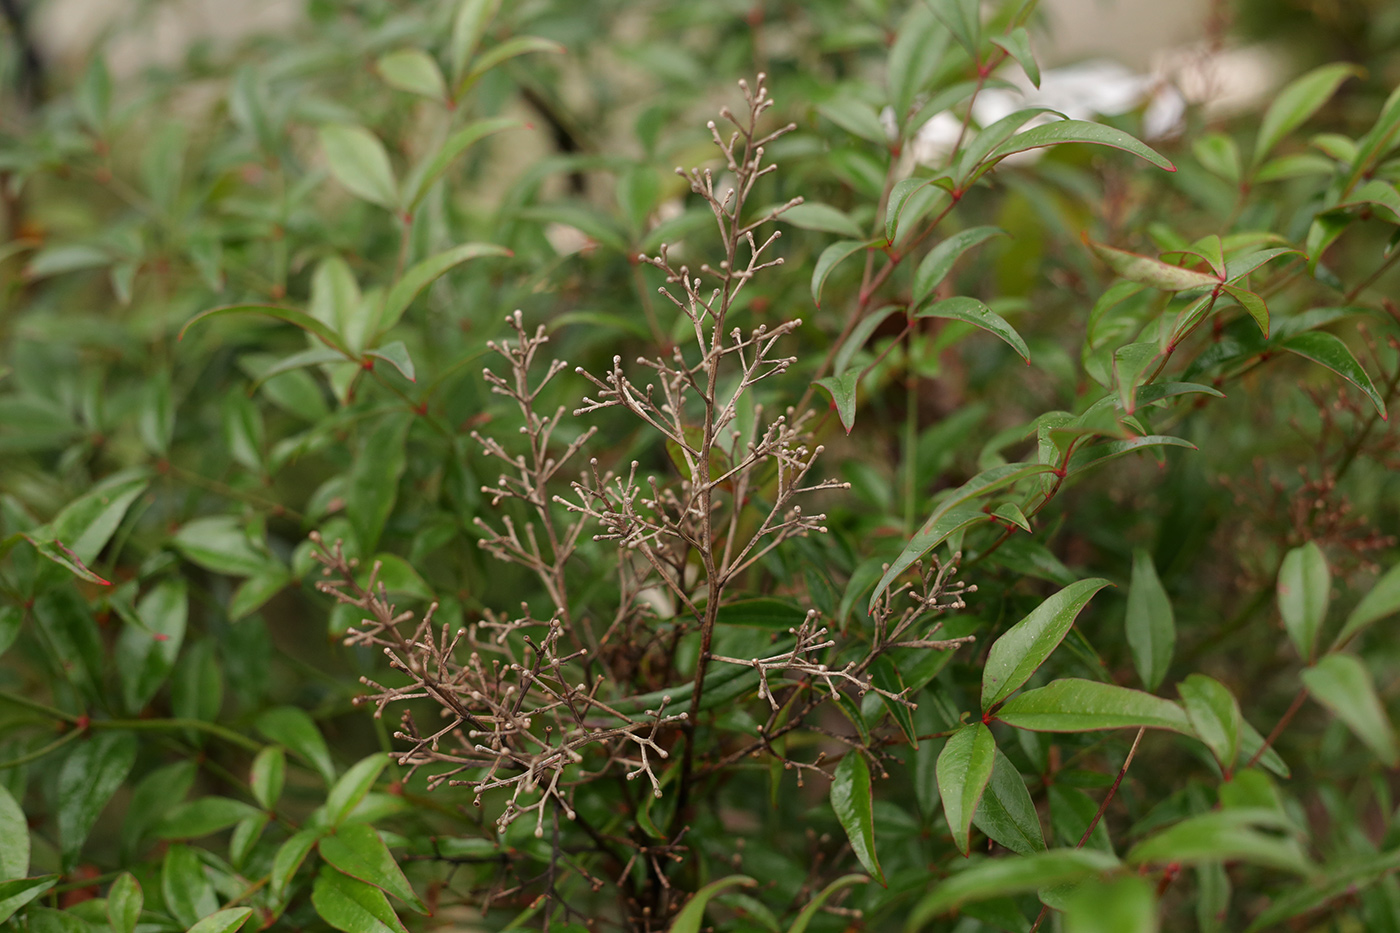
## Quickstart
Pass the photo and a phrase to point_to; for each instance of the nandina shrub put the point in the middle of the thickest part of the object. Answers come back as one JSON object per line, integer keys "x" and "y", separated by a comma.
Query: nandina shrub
{"x": 981, "y": 536}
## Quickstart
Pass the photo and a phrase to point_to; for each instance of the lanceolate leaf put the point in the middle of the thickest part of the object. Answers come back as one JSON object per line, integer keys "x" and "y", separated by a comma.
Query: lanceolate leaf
{"x": 1382, "y": 600}
{"x": 425, "y": 174}
{"x": 396, "y": 354}
{"x": 1017, "y": 44}
{"x": 359, "y": 161}
{"x": 93, "y": 772}
{"x": 851, "y": 799}
{"x": 290, "y": 315}
{"x": 14, "y": 838}
{"x": 842, "y": 390}
{"x": 1020, "y": 651}
{"x": 1125, "y": 904}
{"x": 1327, "y": 350}
{"x": 934, "y": 267}
{"x": 811, "y": 215}
{"x": 964, "y": 768}
{"x": 1224, "y": 835}
{"x": 830, "y": 258}
{"x": 414, "y": 71}
{"x": 1336, "y": 880}
{"x": 295, "y": 729}
{"x": 87, "y": 523}
{"x": 353, "y": 906}
{"x": 692, "y": 915}
{"x": 1295, "y": 103}
{"x": 1079, "y": 131}
{"x": 815, "y": 904}
{"x": 1149, "y": 271}
{"x": 1303, "y": 593}
{"x": 223, "y": 921}
{"x": 15, "y": 894}
{"x": 974, "y": 312}
{"x": 1343, "y": 684}
{"x": 1007, "y": 813}
{"x": 999, "y": 877}
{"x": 1215, "y": 714}
{"x": 1073, "y": 705}
{"x": 360, "y": 852}
{"x": 1253, "y": 304}
{"x": 1150, "y": 625}
{"x": 352, "y": 786}
{"x": 425, "y": 273}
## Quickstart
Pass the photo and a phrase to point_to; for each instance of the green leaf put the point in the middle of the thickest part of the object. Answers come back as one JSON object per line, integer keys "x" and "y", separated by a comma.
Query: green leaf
{"x": 288, "y": 859}
{"x": 1224, "y": 836}
{"x": 1303, "y": 588}
{"x": 949, "y": 518}
{"x": 1089, "y": 457}
{"x": 1382, "y": 600}
{"x": 1126, "y": 904}
{"x": 268, "y": 772}
{"x": 146, "y": 653}
{"x": 1253, "y": 304}
{"x": 812, "y": 907}
{"x": 288, "y": 315}
{"x": 357, "y": 780}
{"x": 855, "y": 116}
{"x": 1219, "y": 155}
{"x": 1148, "y": 271}
{"x": 974, "y": 312}
{"x": 963, "y": 19}
{"x": 513, "y": 47}
{"x": 353, "y": 906}
{"x": 1007, "y": 813}
{"x": 414, "y": 71}
{"x": 223, "y": 921}
{"x": 811, "y": 215}
{"x": 14, "y": 838}
{"x": 692, "y": 915}
{"x": 255, "y": 591}
{"x": 468, "y": 26}
{"x": 1296, "y": 103}
{"x": 1079, "y": 131}
{"x": 396, "y": 354}
{"x": 1150, "y": 624}
{"x": 939, "y": 262}
{"x": 373, "y": 485}
{"x": 1215, "y": 715}
{"x": 915, "y": 57}
{"x": 124, "y": 903}
{"x": 1335, "y": 880}
{"x": 1327, "y": 350}
{"x": 359, "y": 161}
{"x": 202, "y": 817}
{"x": 185, "y": 886}
{"x": 424, "y": 273}
{"x": 899, "y": 197}
{"x": 292, "y": 727}
{"x": 1017, "y": 44}
{"x": 1021, "y": 649}
{"x": 91, "y": 774}
{"x": 1238, "y": 268}
{"x": 842, "y": 390}
{"x": 830, "y": 258}
{"x": 1073, "y": 705}
{"x": 852, "y": 800}
{"x": 87, "y": 523}
{"x": 15, "y": 894}
{"x": 220, "y": 544}
{"x": 427, "y": 172}
{"x": 964, "y": 768}
{"x": 885, "y": 675}
{"x": 359, "y": 851}
{"x": 1343, "y": 684}
{"x": 1004, "y": 876}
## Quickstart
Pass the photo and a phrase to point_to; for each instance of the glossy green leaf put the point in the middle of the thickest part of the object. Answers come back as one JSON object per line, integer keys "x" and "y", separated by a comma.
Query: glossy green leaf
{"x": 292, "y": 727}
{"x": 185, "y": 886}
{"x": 1073, "y": 705}
{"x": 268, "y": 773}
{"x": 999, "y": 877}
{"x": 1339, "y": 879}
{"x": 842, "y": 390}
{"x": 219, "y": 543}
{"x": 814, "y": 906}
{"x": 1148, "y": 271}
{"x": 1079, "y": 131}
{"x": 1215, "y": 715}
{"x": 288, "y": 859}
{"x": 1089, "y": 457}
{"x": 1150, "y": 624}
{"x": 919, "y": 45}
{"x": 359, "y": 851}
{"x": 291, "y": 316}
{"x": 20, "y": 891}
{"x": 223, "y": 921}
{"x": 934, "y": 267}
{"x": 468, "y": 26}
{"x": 963, "y": 19}
{"x": 964, "y": 768}
{"x": 1224, "y": 836}
{"x": 899, "y": 198}
{"x": 373, "y": 485}
{"x": 1253, "y": 304}
{"x": 424, "y": 175}
{"x": 859, "y": 335}
{"x": 359, "y": 161}
{"x": 414, "y": 71}
{"x": 424, "y": 273}
{"x": 1327, "y": 350}
{"x": 855, "y": 116}
{"x": 146, "y": 653}
{"x": 124, "y": 903}
{"x": 1343, "y": 684}
{"x": 1303, "y": 588}
{"x": 1021, "y": 649}
{"x": 885, "y": 675}
{"x": 14, "y": 838}
{"x": 1006, "y": 813}
{"x": 1219, "y": 155}
{"x": 974, "y": 312}
{"x": 514, "y": 47}
{"x": 830, "y": 258}
{"x": 202, "y": 817}
{"x": 91, "y": 774}
{"x": 253, "y": 593}
{"x": 1017, "y": 44}
{"x": 692, "y": 915}
{"x": 811, "y": 215}
{"x": 950, "y": 517}
{"x": 87, "y": 523}
{"x": 852, "y": 800}
{"x": 352, "y": 786}
{"x": 1297, "y": 102}
{"x": 396, "y": 354}
{"x": 353, "y": 906}
{"x": 1383, "y": 599}
{"x": 1125, "y": 904}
